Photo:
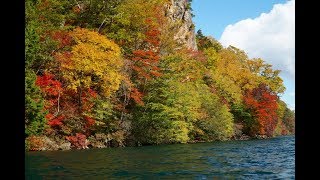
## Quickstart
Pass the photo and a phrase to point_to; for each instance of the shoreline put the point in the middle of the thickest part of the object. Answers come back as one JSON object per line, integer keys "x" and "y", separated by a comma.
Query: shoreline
{"x": 64, "y": 147}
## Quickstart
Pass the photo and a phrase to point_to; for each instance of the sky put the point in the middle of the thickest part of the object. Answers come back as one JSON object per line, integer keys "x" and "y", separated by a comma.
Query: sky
{"x": 262, "y": 28}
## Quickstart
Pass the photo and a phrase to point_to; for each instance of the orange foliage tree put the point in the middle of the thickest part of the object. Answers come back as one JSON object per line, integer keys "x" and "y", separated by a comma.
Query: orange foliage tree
{"x": 145, "y": 60}
{"x": 263, "y": 105}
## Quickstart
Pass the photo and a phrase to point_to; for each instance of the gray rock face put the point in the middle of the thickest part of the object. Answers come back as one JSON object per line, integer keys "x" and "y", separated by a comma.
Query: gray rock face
{"x": 178, "y": 11}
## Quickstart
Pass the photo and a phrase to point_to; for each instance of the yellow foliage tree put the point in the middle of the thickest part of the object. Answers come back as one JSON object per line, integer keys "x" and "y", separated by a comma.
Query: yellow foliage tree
{"x": 266, "y": 75}
{"x": 95, "y": 62}
{"x": 229, "y": 73}
{"x": 233, "y": 73}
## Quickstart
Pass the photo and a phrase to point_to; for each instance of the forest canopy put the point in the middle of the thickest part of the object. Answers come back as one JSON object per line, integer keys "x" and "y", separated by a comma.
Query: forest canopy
{"x": 110, "y": 73}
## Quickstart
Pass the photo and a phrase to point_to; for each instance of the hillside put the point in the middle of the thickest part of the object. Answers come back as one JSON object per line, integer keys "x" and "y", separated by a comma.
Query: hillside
{"x": 134, "y": 72}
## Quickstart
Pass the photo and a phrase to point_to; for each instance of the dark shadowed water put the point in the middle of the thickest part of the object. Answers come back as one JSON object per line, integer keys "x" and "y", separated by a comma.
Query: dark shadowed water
{"x": 254, "y": 159}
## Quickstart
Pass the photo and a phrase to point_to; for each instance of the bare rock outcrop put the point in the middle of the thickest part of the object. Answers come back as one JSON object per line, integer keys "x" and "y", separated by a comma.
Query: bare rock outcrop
{"x": 179, "y": 12}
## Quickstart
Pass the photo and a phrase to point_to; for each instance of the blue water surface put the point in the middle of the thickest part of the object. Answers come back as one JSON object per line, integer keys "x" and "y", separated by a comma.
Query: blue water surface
{"x": 253, "y": 159}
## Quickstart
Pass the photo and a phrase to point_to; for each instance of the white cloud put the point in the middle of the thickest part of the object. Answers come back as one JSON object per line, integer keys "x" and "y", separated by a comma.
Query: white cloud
{"x": 292, "y": 93}
{"x": 271, "y": 36}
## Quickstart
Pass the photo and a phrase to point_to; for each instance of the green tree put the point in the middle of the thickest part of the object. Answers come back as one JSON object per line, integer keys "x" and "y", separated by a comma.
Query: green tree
{"x": 35, "y": 121}
{"x": 95, "y": 14}
{"x": 181, "y": 99}
{"x": 216, "y": 121}
{"x": 204, "y": 42}
{"x": 129, "y": 26}
{"x": 289, "y": 120}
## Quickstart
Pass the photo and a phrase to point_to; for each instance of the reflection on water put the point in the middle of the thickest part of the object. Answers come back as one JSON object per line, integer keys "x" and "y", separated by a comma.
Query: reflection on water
{"x": 253, "y": 159}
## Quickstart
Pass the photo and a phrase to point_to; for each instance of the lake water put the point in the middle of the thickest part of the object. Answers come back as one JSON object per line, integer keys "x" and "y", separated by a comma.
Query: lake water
{"x": 253, "y": 159}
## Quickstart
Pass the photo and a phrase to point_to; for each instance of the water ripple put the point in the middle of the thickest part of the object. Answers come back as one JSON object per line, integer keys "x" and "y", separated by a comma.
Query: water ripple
{"x": 254, "y": 159}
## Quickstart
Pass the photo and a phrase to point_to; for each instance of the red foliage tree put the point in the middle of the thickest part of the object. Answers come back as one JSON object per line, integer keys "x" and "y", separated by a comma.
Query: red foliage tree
{"x": 144, "y": 63}
{"x": 263, "y": 103}
{"x": 62, "y": 37}
{"x": 48, "y": 84}
{"x": 136, "y": 96}
{"x": 145, "y": 60}
{"x": 52, "y": 89}
{"x": 78, "y": 141}
{"x": 87, "y": 106}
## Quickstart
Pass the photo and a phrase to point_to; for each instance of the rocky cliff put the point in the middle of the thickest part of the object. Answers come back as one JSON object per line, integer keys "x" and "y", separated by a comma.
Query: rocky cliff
{"x": 179, "y": 11}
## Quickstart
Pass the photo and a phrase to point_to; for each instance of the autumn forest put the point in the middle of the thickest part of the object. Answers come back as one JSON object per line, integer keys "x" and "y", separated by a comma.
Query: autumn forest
{"x": 111, "y": 73}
